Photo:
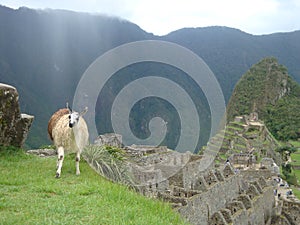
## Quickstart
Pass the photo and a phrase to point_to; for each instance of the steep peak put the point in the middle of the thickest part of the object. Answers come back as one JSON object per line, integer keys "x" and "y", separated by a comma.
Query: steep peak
{"x": 266, "y": 88}
{"x": 266, "y": 82}
{"x": 263, "y": 84}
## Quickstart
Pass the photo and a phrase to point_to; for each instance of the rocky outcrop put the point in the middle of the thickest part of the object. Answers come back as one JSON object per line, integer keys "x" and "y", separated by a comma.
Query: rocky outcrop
{"x": 43, "y": 152}
{"x": 14, "y": 126}
{"x": 109, "y": 139}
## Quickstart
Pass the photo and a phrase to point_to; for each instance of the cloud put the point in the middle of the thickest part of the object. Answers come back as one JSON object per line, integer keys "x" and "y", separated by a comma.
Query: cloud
{"x": 163, "y": 16}
{"x": 166, "y": 16}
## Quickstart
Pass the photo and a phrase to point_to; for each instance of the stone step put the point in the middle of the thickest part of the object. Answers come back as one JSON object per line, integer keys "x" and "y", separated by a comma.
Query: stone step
{"x": 181, "y": 192}
{"x": 172, "y": 199}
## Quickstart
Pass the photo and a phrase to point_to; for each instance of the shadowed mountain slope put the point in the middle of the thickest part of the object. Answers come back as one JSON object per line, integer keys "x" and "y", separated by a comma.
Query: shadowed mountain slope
{"x": 43, "y": 53}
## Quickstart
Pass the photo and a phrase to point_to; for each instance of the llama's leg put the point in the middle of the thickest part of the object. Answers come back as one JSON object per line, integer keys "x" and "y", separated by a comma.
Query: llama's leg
{"x": 77, "y": 159}
{"x": 60, "y": 159}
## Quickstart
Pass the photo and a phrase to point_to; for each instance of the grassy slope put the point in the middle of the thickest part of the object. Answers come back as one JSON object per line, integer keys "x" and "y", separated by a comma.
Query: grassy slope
{"x": 29, "y": 194}
{"x": 296, "y": 161}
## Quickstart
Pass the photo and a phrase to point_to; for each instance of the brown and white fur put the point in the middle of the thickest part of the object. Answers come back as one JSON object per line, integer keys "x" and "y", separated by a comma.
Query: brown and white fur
{"x": 69, "y": 133}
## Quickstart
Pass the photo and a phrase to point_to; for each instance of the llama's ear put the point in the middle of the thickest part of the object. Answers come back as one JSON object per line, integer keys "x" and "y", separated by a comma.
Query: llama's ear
{"x": 68, "y": 107}
{"x": 84, "y": 111}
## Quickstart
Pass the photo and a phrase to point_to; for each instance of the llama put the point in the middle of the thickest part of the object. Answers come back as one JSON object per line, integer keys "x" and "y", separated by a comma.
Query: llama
{"x": 69, "y": 133}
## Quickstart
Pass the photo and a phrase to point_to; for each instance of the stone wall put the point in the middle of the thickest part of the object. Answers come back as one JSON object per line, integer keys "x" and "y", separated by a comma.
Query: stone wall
{"x": 291, "y": 210}
{"x": 225, "y": 198}
{"x": 213, "y": 198}
{"x": 254, "y": 206}
{"x": 263, "y": 206}
{"x": 14, "y": 126}
{"x": 205, "y": 194}
{"x": 252, "y": 174}
{"x": 242, "y": 158}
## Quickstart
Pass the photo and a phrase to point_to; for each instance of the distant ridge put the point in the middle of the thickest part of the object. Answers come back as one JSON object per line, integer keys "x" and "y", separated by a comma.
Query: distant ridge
{"x": 43, "y": 53}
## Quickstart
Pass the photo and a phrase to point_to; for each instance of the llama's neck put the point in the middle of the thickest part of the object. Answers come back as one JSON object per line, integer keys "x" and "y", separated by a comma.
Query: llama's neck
{"x": 78, "y": 134}
{"x": 76, "y": 127}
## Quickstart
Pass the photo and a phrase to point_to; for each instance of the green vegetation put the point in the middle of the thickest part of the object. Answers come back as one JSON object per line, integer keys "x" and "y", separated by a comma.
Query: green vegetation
{"x": 290, "y": 171}
{"x": 108, "y": 161}
{"x": 295, "y": 157}
{"x": 295, "y": 144}
{"x": 286, "y": 170}
{"x": 29, "y": 194}
{"x": 296, "y": 192}
{"x": 223, "y": 156}
{"x": 291, "y": 175}
{"x": 268, "y": 90}
{"x": 285, "y": 149}
{"x": 235, "y": 128}
{"x": 283, "y": 119}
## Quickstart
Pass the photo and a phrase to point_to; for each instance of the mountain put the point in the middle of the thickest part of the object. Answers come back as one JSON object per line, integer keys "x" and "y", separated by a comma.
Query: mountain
{"x": 230, "y": 52}
{"x": 43, "y": 53}
{"x": 267, "y": 89}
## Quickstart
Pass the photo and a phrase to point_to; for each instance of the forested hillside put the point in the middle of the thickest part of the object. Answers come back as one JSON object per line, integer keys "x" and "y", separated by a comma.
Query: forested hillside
{"x": 268, "y": 90}
{"x": 43, "y": 53}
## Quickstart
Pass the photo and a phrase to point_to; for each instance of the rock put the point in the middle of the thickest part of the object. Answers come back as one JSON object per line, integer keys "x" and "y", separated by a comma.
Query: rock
{"x": 43, "y": 152}
{"x": 14, "y": 126}
{"x": 111, "y": 139}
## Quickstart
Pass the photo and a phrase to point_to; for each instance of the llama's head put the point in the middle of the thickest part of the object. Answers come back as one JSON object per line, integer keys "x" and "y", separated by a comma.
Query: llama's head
{"x": 74, "y": 116}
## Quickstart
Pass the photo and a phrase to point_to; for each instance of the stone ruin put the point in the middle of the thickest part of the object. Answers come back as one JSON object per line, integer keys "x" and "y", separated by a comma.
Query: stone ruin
{"x": 247, "y": 159}
{"x": 253, "y": 117}
{"x": 269, "y": 164}
{"x": 109, "y": 139}
{"x": 211, "y": 195}
{"x": 14, "y": 125}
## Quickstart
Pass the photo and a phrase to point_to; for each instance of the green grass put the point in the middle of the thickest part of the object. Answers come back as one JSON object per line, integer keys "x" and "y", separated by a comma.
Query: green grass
{"x": 237, "y": 123}
{"x": 295, "y": 143}
{"x": 296, "y": 192}
{"x": 240, "y": 146}
{"x": 223, "y": 156}
{"x": 295, "y": 158}
{"x": 297, "y": 173}
{"x": 29, "y": 194}
{"x": 252, "y": 132}
{"x": 296, "y": 161}
{"x": 229, "y": 133}
{"x": 237, "y": 128}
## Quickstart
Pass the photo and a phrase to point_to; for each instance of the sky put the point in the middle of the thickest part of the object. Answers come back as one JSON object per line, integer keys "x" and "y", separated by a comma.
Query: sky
{"x": 164, "y": 16}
